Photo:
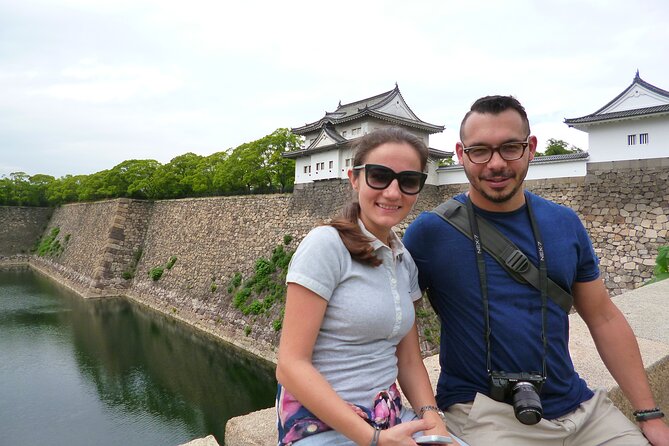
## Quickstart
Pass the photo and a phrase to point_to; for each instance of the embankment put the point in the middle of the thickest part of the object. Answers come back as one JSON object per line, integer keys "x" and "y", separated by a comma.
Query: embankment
{"x": 109, "y": 247}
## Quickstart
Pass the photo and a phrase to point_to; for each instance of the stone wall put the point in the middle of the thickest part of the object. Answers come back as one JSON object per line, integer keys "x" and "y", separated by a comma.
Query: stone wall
{"x": 625, "y": 209}
{"x": 21, "y": 228}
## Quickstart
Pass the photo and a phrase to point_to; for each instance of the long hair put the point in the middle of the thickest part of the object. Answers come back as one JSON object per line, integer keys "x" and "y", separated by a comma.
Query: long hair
{"x": 357, "y": 243}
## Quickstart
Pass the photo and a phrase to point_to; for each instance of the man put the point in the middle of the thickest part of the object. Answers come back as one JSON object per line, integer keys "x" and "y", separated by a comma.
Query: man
{"x": 492, "y": 323}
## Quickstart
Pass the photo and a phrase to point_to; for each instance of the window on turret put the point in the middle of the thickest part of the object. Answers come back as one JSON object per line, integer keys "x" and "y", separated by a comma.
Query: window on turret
{"x": 355, "y": 131}
{"x": 331, "y": 165}
{"x": 643, "y": 138}
{"x": 631, "y": 140}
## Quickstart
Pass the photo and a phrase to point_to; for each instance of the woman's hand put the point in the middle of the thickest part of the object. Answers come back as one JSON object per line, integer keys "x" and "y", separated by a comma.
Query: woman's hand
{"x": 440, "y": 429}
{"x": 402, "y": 434}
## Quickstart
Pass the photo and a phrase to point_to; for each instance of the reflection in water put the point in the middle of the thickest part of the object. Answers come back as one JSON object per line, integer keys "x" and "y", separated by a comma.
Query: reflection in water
{"x": 153, "y": 380}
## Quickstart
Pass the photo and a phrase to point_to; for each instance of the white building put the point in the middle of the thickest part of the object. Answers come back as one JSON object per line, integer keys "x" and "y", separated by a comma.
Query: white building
{"x": 634, "y": 125}
{"x": 326, "y": 153}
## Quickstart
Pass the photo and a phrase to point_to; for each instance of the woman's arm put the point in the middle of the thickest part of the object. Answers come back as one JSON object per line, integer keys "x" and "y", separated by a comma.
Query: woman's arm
{"x": 415, "y": 381}
{"x": 302, "y": 321}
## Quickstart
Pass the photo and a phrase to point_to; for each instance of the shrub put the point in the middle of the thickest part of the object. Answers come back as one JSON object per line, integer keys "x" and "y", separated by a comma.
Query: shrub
{"x": 263, "y": 268}
{"x": 213, "y": 287}
{"x": 236, "y": 280}
{"x": 247, "y": 330}
{"x": 170, "y": 263}
{"x": 49, "y": 245}
{"x": 156, "y": 273}
{"x": 276, "y": 324}
{"x": 241, "y": 297}
{"x": 661, "y": 271}
{"x": 287, "y": 239}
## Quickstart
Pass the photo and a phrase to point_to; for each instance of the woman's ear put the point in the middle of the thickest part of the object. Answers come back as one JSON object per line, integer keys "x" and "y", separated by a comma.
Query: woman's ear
{"x": 353, "y": 179}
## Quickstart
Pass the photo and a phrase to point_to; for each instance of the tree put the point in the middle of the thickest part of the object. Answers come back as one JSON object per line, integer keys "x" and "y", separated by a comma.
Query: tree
{"x": 558, "y": 147}
{"x": 40, "y": 185}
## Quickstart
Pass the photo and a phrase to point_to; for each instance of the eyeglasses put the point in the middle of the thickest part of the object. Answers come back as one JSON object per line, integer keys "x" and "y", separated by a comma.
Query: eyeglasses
{"x": 509, "y": 151}
{"x": 379, "y": 177}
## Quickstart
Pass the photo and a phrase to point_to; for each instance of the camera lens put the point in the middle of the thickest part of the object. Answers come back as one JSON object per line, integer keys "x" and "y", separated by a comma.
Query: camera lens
{"x": 526, "y": 403}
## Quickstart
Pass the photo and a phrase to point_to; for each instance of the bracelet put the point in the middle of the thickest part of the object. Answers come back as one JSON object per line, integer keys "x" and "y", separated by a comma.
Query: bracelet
{"x": 375, "y": 438}
{"x": 424, "y": 409}
{"x": 648, "y": 414}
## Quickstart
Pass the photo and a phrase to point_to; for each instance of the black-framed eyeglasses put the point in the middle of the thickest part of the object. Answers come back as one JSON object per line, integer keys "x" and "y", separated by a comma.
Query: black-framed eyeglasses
{"x": 379, "y": 177}
{"x": 509, "y": 151}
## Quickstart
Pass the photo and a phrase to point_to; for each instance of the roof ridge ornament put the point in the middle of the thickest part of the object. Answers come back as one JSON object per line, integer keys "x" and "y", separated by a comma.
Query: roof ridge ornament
{"x": 637, "y": 75}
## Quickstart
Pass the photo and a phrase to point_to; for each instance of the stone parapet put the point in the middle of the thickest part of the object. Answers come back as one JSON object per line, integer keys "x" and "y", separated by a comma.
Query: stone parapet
{"x": 646, "y": 309}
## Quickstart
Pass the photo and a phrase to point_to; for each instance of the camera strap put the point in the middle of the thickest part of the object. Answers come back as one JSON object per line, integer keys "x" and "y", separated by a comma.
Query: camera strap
{"x": 475, "y": 223}
{"x": 503, "y": 250}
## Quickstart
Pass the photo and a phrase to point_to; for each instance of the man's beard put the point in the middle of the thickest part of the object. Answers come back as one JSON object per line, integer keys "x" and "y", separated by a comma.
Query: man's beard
{"x": 501, "y": 197}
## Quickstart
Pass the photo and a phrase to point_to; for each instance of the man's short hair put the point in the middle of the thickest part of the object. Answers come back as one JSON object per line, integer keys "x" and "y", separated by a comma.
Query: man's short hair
{"x": 495, "y": 105}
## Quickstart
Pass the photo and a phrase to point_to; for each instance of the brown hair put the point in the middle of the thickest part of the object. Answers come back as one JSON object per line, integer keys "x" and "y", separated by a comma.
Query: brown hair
{"x": 495, "y": 105}
{"x": 357, "y": 243}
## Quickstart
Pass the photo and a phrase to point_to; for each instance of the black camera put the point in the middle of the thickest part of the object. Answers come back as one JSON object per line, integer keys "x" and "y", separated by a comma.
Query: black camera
{"x": 520, "y": 389}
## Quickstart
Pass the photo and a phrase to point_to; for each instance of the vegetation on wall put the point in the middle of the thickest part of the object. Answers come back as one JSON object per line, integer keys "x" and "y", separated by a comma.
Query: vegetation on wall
{"x": 130, "y": 270}
{"x": 252, "y": 168}
{"x": 157, "y": 272}
{"x": 265, "y": 288}
{"x": 661, "y": 271}
{"x": 50, "y": 245}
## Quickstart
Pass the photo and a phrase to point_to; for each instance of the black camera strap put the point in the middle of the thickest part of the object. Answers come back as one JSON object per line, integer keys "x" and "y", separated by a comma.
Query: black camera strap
{"x": 480, "y": 262}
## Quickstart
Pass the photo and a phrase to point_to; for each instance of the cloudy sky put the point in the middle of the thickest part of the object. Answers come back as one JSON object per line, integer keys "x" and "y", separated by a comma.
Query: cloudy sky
{"x": 87, "y": 84}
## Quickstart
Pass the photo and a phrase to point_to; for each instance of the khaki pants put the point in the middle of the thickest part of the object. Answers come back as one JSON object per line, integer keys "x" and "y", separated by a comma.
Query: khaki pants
{"x": 596, "y": 422}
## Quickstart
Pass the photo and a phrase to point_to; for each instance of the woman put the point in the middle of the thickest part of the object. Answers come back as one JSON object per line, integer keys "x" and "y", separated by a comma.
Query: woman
{"x": 349, "y": 331}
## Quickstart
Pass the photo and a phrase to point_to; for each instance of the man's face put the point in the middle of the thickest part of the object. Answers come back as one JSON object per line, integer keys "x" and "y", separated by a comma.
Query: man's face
{"x": 497, "y": 184}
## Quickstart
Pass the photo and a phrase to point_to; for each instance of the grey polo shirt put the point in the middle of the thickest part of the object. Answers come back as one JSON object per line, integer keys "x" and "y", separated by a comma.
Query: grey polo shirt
{"x": 370, "y": 309}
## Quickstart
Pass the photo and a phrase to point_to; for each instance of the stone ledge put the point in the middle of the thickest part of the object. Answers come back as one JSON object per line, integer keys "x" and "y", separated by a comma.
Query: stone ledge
{"x": 646, "y": 309}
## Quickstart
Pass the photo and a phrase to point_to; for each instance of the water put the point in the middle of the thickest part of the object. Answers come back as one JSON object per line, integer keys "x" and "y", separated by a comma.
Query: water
{"x": 109, "y": 372}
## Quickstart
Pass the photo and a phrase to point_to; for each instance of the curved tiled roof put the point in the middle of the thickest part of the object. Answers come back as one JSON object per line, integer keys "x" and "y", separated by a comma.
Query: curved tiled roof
{"x": 598, "y": 116}
{"x": 369, "y": 107}
{"x": 558, "y": 158}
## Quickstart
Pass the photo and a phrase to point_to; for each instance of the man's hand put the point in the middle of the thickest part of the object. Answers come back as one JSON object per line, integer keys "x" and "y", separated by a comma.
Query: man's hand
{"x": 656, "y": 431}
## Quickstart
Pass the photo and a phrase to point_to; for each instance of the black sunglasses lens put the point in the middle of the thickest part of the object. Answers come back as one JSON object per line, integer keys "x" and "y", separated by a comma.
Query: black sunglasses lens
{"x": 378, "y": 177}
{"x": 410, "y": 182}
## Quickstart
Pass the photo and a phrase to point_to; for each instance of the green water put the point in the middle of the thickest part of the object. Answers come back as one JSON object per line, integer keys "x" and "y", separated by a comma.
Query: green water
{"x": 109, "y": 372}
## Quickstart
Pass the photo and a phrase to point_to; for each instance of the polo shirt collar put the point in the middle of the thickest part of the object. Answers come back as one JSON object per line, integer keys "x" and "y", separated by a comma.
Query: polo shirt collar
{"x": 396, "y": 244}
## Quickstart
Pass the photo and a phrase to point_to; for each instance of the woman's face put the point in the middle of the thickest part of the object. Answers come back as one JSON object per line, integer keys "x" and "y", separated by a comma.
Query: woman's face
{"x": 380, "y": 210}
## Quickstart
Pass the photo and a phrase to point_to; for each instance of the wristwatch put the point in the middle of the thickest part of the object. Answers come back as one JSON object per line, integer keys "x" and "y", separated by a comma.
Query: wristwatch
{"x": 424, "y": 409}
{"x": 648, "y": 414}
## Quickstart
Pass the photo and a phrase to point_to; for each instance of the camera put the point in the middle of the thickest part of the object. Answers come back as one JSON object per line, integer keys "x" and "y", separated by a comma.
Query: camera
{"x": 520, "y": 389}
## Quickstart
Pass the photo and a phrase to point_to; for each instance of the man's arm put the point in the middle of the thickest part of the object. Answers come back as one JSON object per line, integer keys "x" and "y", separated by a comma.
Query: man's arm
{"x": 617, "y": 346}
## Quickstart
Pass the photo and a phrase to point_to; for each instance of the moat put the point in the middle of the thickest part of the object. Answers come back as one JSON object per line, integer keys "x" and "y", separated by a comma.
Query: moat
{"x": 107, "y": 371}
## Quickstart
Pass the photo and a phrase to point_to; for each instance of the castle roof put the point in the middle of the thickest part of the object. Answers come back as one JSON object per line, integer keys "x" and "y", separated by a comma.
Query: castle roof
{"x": 389, "y": 106}
{"x": 639, "y": 99}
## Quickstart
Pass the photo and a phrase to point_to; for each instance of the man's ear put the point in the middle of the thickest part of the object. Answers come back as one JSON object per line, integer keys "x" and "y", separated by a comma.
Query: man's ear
{"x": 532, "y": 148}
{"x": 459, "y": 150}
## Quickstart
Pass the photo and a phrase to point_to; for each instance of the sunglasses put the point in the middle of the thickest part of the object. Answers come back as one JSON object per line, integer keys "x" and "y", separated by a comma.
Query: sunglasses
{"x": 379, "y": 177}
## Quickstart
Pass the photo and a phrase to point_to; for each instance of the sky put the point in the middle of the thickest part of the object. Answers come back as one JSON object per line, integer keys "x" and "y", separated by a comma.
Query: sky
{"x": 87, "y": 84}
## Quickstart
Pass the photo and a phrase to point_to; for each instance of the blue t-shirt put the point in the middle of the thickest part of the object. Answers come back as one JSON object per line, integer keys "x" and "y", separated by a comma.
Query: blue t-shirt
{"x": 446, "y": 263}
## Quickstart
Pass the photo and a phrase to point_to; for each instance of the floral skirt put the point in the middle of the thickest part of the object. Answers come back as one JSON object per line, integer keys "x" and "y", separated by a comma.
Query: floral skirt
{"x": 295, "y": 422}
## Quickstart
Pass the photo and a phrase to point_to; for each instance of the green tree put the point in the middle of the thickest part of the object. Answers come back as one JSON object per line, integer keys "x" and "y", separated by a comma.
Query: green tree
{"x": 20, "y": 188}
{"x": 65, "y": 189}
{"x": 40, "y": 185}
{"x": 175, "y": 179}
{"x": 558, "y": 147}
